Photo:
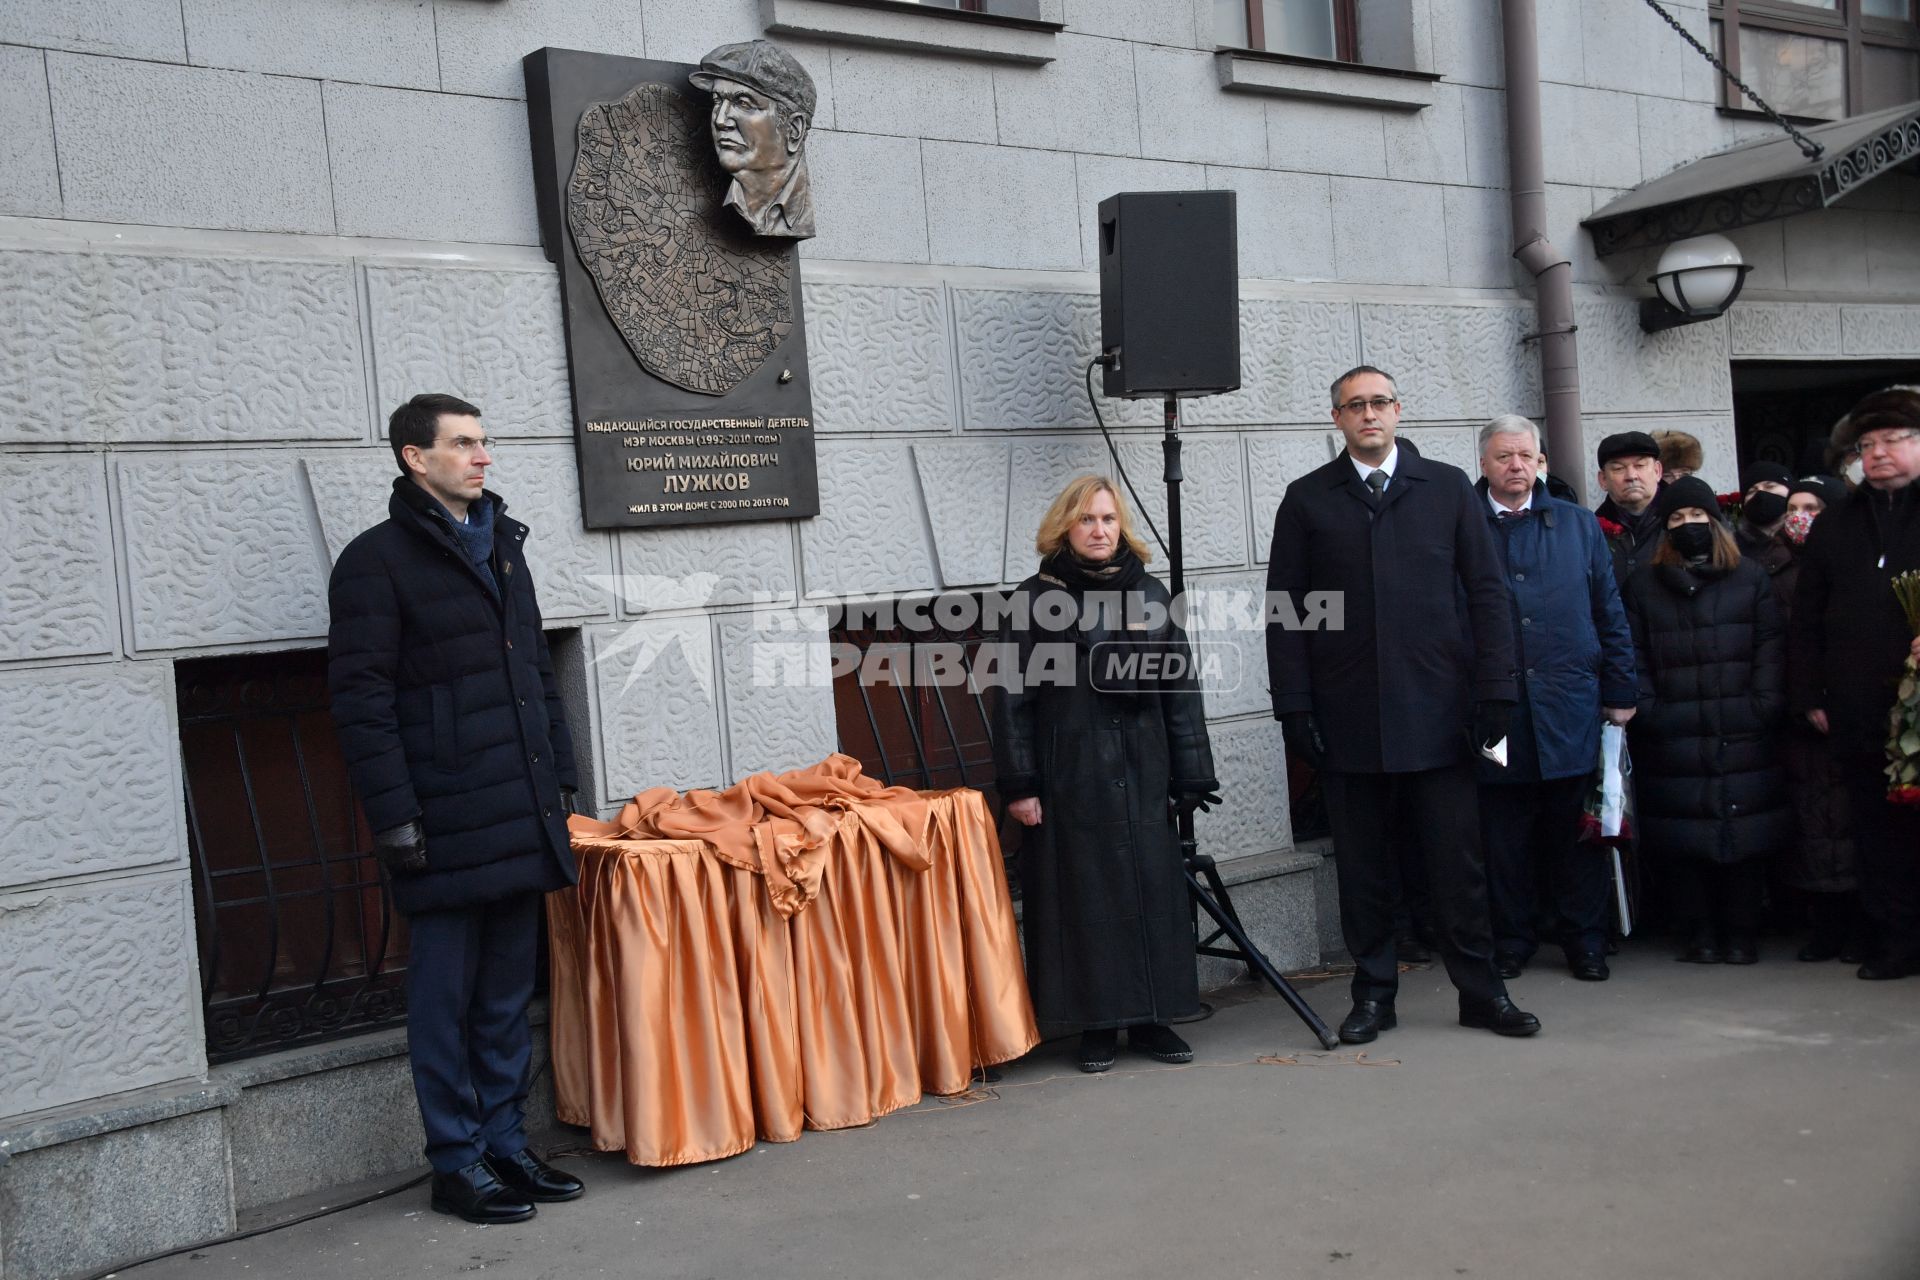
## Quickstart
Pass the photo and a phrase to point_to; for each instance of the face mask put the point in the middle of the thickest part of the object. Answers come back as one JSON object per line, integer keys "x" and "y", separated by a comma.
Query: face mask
{"x": 1799, "y": 525}
{"x": 1857, "y": 472}
{"x": 1692, "y": 541}
{"x": 1763, "y": 508}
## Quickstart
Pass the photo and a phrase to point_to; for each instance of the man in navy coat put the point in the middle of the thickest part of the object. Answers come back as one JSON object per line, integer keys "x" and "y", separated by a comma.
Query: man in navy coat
{"x": 450, "y": 721}
{"x": 1574, "y": 659}
{"x": 1390, "y": 706}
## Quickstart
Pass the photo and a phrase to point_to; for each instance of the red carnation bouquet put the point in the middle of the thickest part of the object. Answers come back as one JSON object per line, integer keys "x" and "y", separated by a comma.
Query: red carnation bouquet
{"x": 1730, "y": 505}
{"x": 1611, "y": 528}
{"x": 1903, "y": 728}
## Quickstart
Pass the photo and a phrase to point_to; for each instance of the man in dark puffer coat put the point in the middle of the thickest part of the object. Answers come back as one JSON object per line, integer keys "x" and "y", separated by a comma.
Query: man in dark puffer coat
{"x": 451, "y": 724}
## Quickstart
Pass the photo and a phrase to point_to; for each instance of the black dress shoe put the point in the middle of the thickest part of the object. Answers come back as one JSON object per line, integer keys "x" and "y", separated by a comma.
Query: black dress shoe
{"x": 1588, "y": 968}
{"x": 1368, "y": 1019}
{"x": 1885, "y": 968}
{"x": 1699, "y": 952}
{"x": 1816, "y": 950}
{"x": 534, "y": 1178}
{"x": 1499, "y": 1016}
{"x": 474, "y": 1193}
{"x": 1741, "y": 951}
{"x": 1158, "y": 1041}
{"x": 1509, "y": 966}
{"x": 1097, "y": 1050}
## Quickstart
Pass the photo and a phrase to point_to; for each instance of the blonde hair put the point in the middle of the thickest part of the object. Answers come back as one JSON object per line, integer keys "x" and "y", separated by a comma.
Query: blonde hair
{"x": 1072, "y": 504}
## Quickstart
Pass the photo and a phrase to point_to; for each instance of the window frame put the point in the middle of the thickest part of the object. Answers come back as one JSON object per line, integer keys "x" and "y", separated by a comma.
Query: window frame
{"x": 1346, "y": 33}
{"x": 1846, "y": 23}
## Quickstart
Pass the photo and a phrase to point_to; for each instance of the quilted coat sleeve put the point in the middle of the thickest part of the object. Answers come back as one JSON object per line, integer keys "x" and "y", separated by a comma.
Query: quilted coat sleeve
{"x": 363, "y": 653}
{"x": 1769, "y": 654}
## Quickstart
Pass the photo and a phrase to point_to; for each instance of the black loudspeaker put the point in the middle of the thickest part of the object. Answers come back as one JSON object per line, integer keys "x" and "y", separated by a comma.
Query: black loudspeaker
{"x": 1170, "y": 293}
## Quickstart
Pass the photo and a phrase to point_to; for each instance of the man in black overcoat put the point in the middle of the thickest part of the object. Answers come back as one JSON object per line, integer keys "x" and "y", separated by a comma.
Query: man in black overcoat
{"x": 1389, "y": 705}
{"x": 1630, "y": 477}
{"x": 451, "y": 724}
{"x": 1847, "y": 642}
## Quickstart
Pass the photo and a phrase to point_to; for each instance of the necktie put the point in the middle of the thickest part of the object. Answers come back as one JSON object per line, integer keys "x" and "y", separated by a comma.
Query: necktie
{"x": 1515, "y": 515}
{"x": 1377, "y": 482}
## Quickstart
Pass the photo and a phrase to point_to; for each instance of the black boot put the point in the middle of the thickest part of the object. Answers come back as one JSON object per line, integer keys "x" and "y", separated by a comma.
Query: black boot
{"x": 1158, "y": 1041}
{"x": 474, "y": 1193}
{"x": 1097, "y": 1050}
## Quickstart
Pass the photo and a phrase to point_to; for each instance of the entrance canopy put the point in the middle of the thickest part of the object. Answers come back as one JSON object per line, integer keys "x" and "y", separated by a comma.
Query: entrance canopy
{"x": 1759, "y": 181}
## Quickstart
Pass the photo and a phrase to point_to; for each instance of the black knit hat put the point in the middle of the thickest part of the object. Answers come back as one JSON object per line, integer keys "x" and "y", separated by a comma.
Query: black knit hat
{"x": 1760, "y": 472}
{"x": 1831, "y": 490}
{"x": 1687, "y": 491}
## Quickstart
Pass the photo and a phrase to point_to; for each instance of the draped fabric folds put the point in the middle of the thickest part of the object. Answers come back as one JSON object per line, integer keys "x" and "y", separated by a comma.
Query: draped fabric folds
{"x": 813, "y": 950}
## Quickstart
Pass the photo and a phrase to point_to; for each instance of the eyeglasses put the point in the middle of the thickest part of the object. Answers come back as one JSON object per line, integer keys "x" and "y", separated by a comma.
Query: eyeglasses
{"x": 467, "y": 444}
{"x": 1379, "y": 404}
{"x": 1887, "y": 442}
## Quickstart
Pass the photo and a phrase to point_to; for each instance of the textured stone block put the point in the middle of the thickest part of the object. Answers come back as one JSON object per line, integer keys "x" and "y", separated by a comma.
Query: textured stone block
{"x": 1828, "y": 252}
{"x": 657, "y": 708}
{"x": 1212, "y": 498}
{"x": 1289, "y": 353}
{"x": 358, "y": 1122}
{"x": 572, "y": 566}
{"x": 121, "y": 347}
{"x": 1226, "y": 625}
{"x": 1467, "y": 47}
{"x": 1280, "y": 915}
{"x": 1285, "y": 222}
{"x": 1455, "y": 361}
{"x": 219, "y": 549}
{"x": 56, "y": 580}
{"x": 1081, "y": 101}
{"x": 869, "y": 198}
{"x": 1625, "y": 370}
{"x": 144, "y": 1190}
{"x": 870, "y": 534}
{"x": 707, "y": 565}
{"x": 1274, "y": 460}
{"x": 681, "y": 32}
{"x": 493, "y": 338}
{"x": 1480, "y": 239}
{"x": 880, "y": 358}
{"x": 1484, "y": 113}
{"x": 1185, "y": 116}
{"x": 1792, "y": 329}
{"x": 1389, "y": 232}
{"x": 1608, "y": 127}
{"x": 29, "y": 173}
{"x": 1455, "y": 446}
{"x": 1250, "y": 760}
{"x": 188, "y": 146}
{"x": 73, "y": 730}
{"x": 1022, "y": 357}
{"x": 1041, "y": 468}
{"x": 1627, "y": 47}
{"x": 381, "y": 142}
{"x": 125, "y": 28}
{"x": 1103, "y": 176}
{"x": 365, "y": 41}
{"x": 971, "y": 191}
{"x": 100, "y": 994}
{"x": 879, "y": 91}
{"x": 1429, "y": 145}
{"x": 1146, "y": 21}
{"x": 1325, "y": 137}
{"x": 964, "y": 488}
{"x": 1877, "y": 331}
{"x": 482, "y": 42}
{"x": 779, "y": 683}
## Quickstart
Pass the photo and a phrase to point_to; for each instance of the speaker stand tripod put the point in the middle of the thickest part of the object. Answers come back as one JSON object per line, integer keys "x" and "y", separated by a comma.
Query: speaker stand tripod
{"x": 1204, "y": 885}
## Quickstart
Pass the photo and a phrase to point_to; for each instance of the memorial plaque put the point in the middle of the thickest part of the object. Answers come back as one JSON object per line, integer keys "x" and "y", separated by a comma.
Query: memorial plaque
{"x": 684, "y": 328}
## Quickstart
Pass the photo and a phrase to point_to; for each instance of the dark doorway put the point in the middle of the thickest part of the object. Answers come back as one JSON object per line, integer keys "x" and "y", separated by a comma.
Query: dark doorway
{"x": 1783, "y": 410}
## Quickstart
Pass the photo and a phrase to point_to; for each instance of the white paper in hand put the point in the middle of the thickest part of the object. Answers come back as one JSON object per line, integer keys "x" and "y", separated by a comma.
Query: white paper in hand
{"x": 1497, "y": 752}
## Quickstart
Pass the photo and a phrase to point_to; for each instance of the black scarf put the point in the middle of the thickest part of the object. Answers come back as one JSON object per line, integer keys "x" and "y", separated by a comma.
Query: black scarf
{"x": 1117, "y": 642}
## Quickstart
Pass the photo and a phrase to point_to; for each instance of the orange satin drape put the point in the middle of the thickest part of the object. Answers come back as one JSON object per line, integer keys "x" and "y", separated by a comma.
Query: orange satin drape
{"x": 826, "y": 951}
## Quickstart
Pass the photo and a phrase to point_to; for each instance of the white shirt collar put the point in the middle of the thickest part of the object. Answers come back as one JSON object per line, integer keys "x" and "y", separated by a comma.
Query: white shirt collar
{"x": 1387, "y": 465}
{"x": 1499, "y": 507}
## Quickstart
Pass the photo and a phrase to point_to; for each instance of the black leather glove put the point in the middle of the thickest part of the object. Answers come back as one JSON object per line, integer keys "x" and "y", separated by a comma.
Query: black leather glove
{"x": 1303, "y": 738}
{"x": 402, "y": 849}
{"x": 1202, "y": 799}
{"x": 570, "y": 798}
{"x": 1491, "y": 720}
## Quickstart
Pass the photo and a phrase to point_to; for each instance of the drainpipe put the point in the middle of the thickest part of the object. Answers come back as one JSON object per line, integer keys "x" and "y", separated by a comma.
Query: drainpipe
{"x": 1552, "y": 272}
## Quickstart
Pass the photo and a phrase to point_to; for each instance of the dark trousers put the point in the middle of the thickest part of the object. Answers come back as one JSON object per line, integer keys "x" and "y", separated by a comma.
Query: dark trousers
{"x": 1537, "y": 869}
{"x": 1443, "y": 817}
{"x": 1886, "y": 846}
{"x": 1716, "y": 899}
{"x": 470, "y": 976}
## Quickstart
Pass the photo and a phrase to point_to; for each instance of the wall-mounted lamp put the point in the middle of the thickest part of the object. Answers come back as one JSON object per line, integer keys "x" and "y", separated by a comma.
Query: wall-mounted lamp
{"x": 1698, "y": 279}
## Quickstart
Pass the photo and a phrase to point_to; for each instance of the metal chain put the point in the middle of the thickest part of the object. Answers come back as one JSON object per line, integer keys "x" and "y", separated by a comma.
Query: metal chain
{"x": 1808, "y": 147}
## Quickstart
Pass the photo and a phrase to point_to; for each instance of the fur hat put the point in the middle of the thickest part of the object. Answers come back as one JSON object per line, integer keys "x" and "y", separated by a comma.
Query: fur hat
{"x": 1679, "y": 450}
{"x": 1897, "y": 407}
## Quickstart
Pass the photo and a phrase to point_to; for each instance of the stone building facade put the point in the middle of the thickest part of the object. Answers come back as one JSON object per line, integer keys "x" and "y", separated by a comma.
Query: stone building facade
{"x": 235, "y": 233}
